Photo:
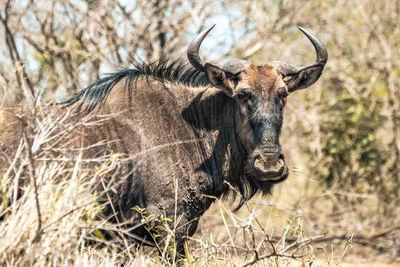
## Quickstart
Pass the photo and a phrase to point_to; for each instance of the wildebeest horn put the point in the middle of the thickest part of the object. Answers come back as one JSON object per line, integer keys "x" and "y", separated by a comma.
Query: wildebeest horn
{"x": 322, "y": 56}
{"x": 305, "y": 76}
{"x": 193, "y": 49}
{"x": 322, "y": 53}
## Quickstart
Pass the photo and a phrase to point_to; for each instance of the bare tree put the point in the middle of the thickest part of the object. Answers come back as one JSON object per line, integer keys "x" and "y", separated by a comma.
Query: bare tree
{"x": 64, "y": 46}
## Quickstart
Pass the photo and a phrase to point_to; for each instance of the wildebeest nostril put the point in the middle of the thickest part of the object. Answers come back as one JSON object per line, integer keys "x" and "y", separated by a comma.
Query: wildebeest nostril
{"x": 270, "y": 151}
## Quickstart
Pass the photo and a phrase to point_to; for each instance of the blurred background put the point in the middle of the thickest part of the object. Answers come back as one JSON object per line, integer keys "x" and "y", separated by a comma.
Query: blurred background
{"x": 341, "y": 136}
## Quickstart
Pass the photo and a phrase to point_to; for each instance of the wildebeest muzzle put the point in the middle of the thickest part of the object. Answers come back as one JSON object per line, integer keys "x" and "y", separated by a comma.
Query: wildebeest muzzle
{"x": 268, "y": 164}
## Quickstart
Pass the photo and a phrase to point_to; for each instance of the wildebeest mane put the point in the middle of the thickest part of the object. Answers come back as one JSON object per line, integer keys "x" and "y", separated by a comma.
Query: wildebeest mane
{"x": 179, "y": 71}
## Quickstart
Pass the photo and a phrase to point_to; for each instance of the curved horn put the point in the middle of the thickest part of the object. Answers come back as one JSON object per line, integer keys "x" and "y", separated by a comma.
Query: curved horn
{"x": 322, "y": 53}
{"x": 304, "y": 76}
{"x": 193, "y": 50}
{"x": 322, "y": 56}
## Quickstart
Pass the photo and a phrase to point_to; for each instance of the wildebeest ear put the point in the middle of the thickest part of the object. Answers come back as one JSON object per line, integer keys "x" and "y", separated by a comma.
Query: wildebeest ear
{"x": 304, "y": 78}
{"x": 218, "y": 77}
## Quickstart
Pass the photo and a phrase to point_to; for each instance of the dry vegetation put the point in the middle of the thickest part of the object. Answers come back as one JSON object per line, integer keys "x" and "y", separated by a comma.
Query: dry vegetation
{"x": 342, "y": 136}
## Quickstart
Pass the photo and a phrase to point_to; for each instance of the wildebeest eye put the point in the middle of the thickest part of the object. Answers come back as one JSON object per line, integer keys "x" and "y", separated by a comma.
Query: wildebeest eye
{"x": 244, "y": 96}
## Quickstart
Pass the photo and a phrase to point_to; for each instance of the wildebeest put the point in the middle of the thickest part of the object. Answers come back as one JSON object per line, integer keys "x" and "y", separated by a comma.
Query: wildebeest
{"x": 186, "y": 133}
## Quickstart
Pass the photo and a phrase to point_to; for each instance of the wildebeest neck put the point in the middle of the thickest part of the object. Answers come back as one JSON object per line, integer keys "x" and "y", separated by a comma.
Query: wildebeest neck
{"x": 212, "y": 116}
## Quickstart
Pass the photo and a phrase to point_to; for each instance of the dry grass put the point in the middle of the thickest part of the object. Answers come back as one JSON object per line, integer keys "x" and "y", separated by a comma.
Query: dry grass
{"x": 272, "y": 231}
{"x": 263, "y": 233}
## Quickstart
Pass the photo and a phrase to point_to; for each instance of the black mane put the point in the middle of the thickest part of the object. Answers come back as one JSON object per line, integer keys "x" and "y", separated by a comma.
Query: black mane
{"x": 179, "y": 71}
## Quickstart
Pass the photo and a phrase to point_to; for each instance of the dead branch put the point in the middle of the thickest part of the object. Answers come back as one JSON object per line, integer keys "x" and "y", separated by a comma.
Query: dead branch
{"x": 31, "y": 167}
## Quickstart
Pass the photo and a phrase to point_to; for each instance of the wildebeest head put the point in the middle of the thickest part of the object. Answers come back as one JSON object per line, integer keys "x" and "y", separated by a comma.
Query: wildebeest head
{"x": 261, "y": 93}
